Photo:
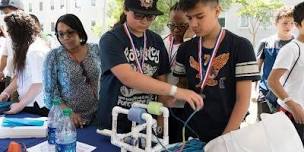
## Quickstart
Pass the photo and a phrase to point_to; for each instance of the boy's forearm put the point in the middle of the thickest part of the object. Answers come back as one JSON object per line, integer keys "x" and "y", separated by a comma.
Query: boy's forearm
{"x": 243, "y": 92}
{"x": 237, "y": 116}
{"x": 163, "y": 98}
{"x": 31, "y": 93}
{"x": 12, "y": 87}
{"x": 275, "y": 84}
{"x": 3, "y": 62}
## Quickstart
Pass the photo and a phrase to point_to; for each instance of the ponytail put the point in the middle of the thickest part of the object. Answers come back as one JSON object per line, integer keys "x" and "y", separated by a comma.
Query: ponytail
{"x": 122, "y": 20}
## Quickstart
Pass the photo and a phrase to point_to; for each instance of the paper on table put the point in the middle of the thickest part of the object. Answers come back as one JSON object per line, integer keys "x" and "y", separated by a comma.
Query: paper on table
{"x": 17, "y": 122}
{"x": 45, "y": 147}
{"x": 24, "y": 131}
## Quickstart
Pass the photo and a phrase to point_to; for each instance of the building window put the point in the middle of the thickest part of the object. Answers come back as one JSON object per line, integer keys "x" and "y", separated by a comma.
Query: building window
{"x": 30, "y": 7}
{"x": 222, "y": 21}
{"x": 61, "y": 4}
{"x": 41, "y": 6}
{"x": 52, "y": 26}
{"x": 93, "y": 23}
{"x": 52, "y": 5}
{"x": 93, "y": 2}
{"x": 244, "y": 21}
{"x": 76, "y": 4}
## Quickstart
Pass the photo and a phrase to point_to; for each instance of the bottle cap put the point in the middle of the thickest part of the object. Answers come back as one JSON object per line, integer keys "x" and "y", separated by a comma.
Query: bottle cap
{"x": 14, "y": 147}
{"x": 67, "y": 112}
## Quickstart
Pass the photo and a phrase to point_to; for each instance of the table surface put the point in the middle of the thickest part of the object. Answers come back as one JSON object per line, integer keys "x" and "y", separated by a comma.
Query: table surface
{"x": 86, "y": 135}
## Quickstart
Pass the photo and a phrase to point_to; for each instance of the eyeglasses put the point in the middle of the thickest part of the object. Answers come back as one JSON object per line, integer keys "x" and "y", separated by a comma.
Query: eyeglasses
{"x": 140, "y": 16}
{"x": 172, "y": 26}
{"x": 69, "y": 34}
{"x": 85, "y": 73}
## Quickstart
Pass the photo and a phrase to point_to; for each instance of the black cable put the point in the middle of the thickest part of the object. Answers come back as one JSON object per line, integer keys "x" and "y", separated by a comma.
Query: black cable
{"x": 183, "y": 122}
{"x": 154, "y": 133}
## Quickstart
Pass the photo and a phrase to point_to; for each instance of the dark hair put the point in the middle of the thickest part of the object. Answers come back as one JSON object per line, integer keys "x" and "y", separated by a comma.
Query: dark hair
{"x": 35, "y": 18}
{"x": 190, "y": 4}
{"x": 37, "y": 23}
{"x": 74, "y": 22}
{"x": 298, "y": 13}
{"x": 122, "y": 18}
{"x": 176, "y": 7}
{"x": 21, "y": 30}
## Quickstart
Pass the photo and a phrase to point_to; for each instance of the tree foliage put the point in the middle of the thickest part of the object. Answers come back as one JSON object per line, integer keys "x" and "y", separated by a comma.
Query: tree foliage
{"x": 160, "y": 23}
{"x": 164, "y": 5}
{"x": 97, "y": 29}
{"x": 258, "y": 13}
{"x": 115, "y": 9}
{"x": 226, "y": 4}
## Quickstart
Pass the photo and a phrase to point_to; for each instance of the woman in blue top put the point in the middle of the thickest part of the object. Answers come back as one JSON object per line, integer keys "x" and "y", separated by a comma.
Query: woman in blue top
{"x": 72, "y": 71}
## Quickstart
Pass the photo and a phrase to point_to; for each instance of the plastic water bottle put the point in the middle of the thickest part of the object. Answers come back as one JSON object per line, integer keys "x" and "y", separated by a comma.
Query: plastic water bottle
{"x": 66, "y": 134}
{"x": 54, "y": 118}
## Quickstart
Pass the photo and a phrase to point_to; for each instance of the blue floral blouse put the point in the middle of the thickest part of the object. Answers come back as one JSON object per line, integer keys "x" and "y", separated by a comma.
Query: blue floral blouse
{"x": 64, "y": 78}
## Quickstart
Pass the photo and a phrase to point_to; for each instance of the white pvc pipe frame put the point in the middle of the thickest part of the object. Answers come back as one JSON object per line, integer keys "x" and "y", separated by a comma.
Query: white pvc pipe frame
{"x": 117, "y": 139}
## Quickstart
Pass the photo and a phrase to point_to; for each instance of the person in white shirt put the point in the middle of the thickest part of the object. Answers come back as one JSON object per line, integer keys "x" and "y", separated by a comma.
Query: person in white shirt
{"x": 29, "y": 54}
{"x": 40, "y": 34}
{"x": 3, "y": 35}
{"x": 2, "y": 44}
{"x": 6, "y": 62}
{"x": 286, "y": 77}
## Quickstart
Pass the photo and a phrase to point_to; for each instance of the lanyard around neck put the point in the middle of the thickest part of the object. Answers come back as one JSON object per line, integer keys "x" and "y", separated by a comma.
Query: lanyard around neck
{"x": 139, "y": 65}
{"x": 172, "y": 54}
{"x": 217, "y": 44}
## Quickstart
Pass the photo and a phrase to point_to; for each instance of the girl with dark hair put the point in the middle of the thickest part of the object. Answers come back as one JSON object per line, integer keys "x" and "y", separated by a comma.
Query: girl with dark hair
{"x": 29, "y": 54}
{"x": 72, "y": 71}
{"x": 178, "y": 25}
{"x": 37, "y": 23}
{"x": 122, "y": 19}
{"x": 134, "y": 64}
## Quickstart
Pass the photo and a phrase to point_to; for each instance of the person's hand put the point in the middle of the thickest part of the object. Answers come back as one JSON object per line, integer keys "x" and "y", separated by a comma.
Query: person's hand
{"x": 168, "y": 101}
{"x": 3, "y": 33}
{"x": 3, "y": 97}
{"x": 195, "y": 100}
{"x": 1, "y": 76}
{"x": 77, "y": 120}
{"x": 297, "y": 111}
{"x": 15, "y": 108}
